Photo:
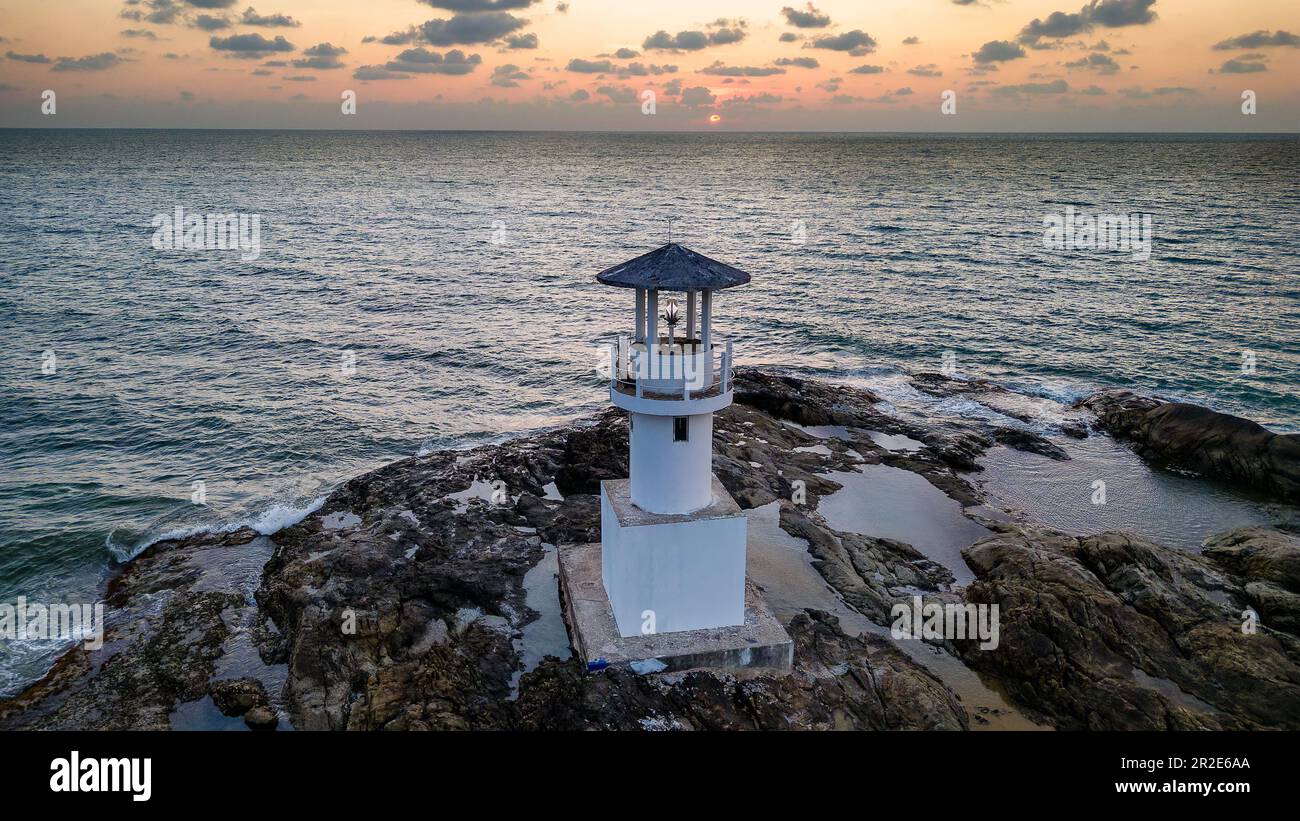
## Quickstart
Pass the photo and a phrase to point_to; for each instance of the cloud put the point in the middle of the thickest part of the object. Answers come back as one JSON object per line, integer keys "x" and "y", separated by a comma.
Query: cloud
{"x": 207, "y": 22}
{"x": 997, "y": 51}
{"x": 1119, "y": 13}
{"x": 93, "y": 62}
{"x": 250, "y": 17}
{"x": 1096, "y": 61}
{"x": 28, "y": 58}
{"x": 682, "y": 41}
{"x": 808, "y": 18}
{"x": 697, "y": 96}
{"x": 161, "y": 12}
{"x": 580, "y": 95}
{"x": 790, "y": 37}
{"x": 250, "y": 46}
{"x": 800, "y": 62}
{"x": 138, "y": 34}
{"x": 722, "y": 32}
{"x": 1053, "y": 87}
{"x": 471, "y": 28}
{"x": 856, "y": 42}
{"x": 927, "y": 70}
{"x": 1104, "y": 13}
{"x": 478, "y": 5}
{"x": 187, "y": 95}
{"x": 720, "y": 70}
{"x": 867, "y": 69}
{"x": 522, "y": 41}
{"x": 1245, "y": 64}
{"x": 618, "y": 94}
{"x": 1259, "y": 39}
{"x": 377, "y": 73}
{"x": 508, "y": 75}
{"x": 323, "y": 55}
{"x": 211, "y": 4}
{"x": 422, "y": 61}
{"x": 911, "y": 41}
{"x": 581, "y": 66}
{"x": 300, "y": 78}
{"x": 642, "y": 70}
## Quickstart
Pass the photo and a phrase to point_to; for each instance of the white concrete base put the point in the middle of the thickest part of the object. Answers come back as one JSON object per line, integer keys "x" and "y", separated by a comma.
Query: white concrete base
{"x": 666, "y": 573}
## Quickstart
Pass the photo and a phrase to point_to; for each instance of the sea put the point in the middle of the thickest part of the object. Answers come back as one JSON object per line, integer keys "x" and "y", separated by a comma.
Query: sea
{"x": 352, "y": 298}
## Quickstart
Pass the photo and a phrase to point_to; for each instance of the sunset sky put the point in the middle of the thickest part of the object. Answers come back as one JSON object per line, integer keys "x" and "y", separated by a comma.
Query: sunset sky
{"x": 840, "y": 65}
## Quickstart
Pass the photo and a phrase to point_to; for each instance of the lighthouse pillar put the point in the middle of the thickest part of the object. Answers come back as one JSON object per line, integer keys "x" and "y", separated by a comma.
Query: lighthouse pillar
{"x": 671, "y": 456}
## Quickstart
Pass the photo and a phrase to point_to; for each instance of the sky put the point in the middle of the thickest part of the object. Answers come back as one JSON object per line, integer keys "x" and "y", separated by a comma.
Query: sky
{"x": 629, "y": 65}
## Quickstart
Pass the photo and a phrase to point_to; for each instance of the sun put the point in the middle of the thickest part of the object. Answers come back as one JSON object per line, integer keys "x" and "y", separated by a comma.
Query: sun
{"x": 715, "y": 118}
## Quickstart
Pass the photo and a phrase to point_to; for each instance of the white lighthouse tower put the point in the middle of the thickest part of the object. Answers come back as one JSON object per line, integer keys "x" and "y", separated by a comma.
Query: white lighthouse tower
{"x": 665, "y": 589}
{"x": 673, "y": 540}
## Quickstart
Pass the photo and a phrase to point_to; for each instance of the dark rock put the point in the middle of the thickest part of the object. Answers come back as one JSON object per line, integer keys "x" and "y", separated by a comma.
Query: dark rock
{"x": 1031, "y": 442}
{"x": 234, "y": 697}
{"x": 1216, "y": 445}
{"x": 1268, "y": 561}
{"x": 839, "y": 682}
{"x": 261, "y": 718}
{"x": 1115, "y": 632}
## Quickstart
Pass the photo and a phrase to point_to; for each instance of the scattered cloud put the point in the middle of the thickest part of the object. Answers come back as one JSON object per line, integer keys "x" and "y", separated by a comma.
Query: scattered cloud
{"x": 1259, "y": 39}
{"x": 721, "y": 70}
{"x": 28, "y": 58}
{"x": 471, "y": 29}
{"x": 927, "y": 70}
{"x": 250, "y": 17}
{"x": 508, "y": 75}
{"x": 1245, "y": 64}
{"x": 856, "y": 42}
{"x": 997, "y": 51}
{"x": 250, "y": 46}
{"x": 93, "y": 62}
{"x": 806, "y": 18}
{"x": 1101, "y": 63}
{"x": 697, "y": 96}
{"x": 420, "y": 60}
{"x": 323, "y": 55}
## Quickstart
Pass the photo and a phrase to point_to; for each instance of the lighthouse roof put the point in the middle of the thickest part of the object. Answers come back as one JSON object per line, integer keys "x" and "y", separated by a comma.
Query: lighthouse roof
{"x": 673, "y": 268}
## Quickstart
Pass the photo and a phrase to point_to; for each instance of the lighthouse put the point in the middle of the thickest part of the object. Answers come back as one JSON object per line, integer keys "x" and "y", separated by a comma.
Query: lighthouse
{"x": 673, "y": 540}
{"x": 666, "y": 587}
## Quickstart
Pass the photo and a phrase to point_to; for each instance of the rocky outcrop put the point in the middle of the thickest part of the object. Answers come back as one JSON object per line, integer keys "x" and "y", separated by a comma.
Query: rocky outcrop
{"x": 1115, "y": 632}
{"x": 1268, "y": 563}
{"x": 1216, "y": 445}
{"x": 402, "y": 604}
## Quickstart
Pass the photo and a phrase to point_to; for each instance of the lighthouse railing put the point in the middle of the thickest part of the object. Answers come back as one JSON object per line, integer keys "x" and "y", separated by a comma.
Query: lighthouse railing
{"x": 682, "y": 370}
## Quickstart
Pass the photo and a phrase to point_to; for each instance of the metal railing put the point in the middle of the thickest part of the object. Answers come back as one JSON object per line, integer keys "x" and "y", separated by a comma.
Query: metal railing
{"x": 683, "y": 369}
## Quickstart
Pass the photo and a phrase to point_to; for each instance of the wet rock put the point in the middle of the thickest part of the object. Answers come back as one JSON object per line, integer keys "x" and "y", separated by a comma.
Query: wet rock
{"x": 235, "y": 697}
{"x": 1216, "y": 445}
{"x": 261, "y": 718}
{"x": 1115, "y": 632}
{"x": 1268, "y": 561}
{"x": 839, "y": 682}
{"x": 1030, "y": 442}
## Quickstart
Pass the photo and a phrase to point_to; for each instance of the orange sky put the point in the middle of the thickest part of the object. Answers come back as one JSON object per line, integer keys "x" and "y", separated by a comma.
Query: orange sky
{"x": 1150, "y": 63}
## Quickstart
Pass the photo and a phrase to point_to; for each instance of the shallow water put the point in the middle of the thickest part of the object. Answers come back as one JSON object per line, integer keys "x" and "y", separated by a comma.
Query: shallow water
{"x": 892, "y": 503}
{"x": 782, "y": 566}
{"x": 1173, "y": 509}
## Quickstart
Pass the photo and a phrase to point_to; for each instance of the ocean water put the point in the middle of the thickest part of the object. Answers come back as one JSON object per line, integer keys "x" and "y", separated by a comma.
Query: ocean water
{"x": 425, "y": 290}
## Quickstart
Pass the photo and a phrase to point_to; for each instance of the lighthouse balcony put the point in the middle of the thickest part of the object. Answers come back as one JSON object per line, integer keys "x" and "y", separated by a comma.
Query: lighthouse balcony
{"x": 686, "y": 373}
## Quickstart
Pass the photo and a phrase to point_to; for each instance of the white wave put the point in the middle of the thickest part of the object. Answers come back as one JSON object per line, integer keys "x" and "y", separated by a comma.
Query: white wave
{"x": 267, "y": 522}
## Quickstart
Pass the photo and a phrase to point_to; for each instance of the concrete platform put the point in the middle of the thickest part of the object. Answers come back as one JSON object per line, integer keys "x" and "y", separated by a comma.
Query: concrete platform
{"x": 761, "y": 642}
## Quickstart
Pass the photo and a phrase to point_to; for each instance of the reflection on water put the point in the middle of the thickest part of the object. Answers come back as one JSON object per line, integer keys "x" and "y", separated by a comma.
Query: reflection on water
{"x": 1170, "y": 508}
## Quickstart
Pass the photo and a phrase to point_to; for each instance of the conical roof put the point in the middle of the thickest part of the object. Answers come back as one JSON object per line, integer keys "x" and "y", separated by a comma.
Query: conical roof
{"x": 673, "y": 268}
